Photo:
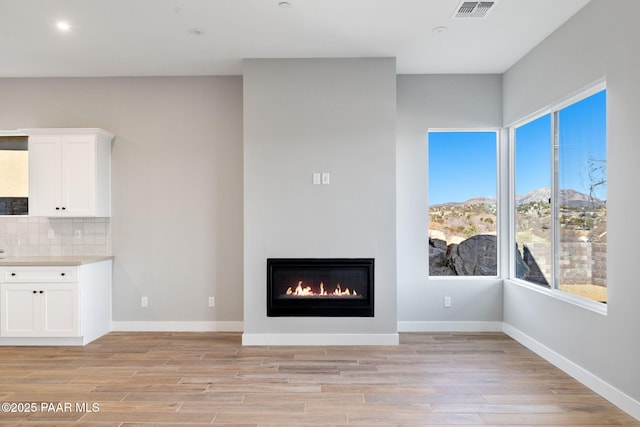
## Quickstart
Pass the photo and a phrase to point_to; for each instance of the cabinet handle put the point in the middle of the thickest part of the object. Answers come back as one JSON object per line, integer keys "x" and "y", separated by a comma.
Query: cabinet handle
{"x": 13, "y": 274}
{"x": 62, "y": 274}
{"x": 42, "y": 292}
{"x": 35, "y": 292}
{"x": 63, "y": 208}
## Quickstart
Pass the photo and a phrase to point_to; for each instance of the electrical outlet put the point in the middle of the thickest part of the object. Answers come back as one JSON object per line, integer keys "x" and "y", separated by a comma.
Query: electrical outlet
{"x": 77, "y": 234}
{"x": 144, "y": 302}
{"x": 325, "y": 178}
{"x": 447, "y": 302}
{"x": 212, "y": 302}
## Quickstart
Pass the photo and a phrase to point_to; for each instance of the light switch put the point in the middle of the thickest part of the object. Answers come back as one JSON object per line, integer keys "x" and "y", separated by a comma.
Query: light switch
{"x": 316, "y": 178}
{"x": 325, "y": 178}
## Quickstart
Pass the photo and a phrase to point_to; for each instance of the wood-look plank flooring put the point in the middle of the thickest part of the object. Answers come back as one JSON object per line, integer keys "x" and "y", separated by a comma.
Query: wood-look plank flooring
{"x": 197, "y": 379}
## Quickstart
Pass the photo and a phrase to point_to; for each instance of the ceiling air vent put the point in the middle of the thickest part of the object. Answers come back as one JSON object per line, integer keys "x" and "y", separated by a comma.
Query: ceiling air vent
{"x": 474, "y": 9}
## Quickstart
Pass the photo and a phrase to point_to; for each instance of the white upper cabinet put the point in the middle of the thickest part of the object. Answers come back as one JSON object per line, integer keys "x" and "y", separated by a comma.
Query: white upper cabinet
{"x": 69, "y": 172}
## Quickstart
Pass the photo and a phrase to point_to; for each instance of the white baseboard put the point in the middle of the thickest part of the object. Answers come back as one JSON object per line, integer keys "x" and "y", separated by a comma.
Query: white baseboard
{"x": 164, "y": 326}
{"x": 33, "y": 341}
{"x": 320, "y": 339}
{"x": 604, "y": 389}
{"x": 449, "y": 326}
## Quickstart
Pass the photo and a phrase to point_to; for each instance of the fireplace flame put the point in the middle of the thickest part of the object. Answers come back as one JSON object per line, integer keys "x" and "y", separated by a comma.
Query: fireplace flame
{"x": 302, "y": 291}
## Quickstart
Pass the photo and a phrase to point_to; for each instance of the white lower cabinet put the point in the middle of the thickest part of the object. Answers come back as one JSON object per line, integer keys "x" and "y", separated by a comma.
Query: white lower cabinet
{"x": 69, "y": 303}
{"x": 39, "y": 310}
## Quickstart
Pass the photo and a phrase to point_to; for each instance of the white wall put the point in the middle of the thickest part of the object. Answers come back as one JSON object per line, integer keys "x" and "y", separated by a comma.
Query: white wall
{"x": 438, "y": 101}
{"x": 319, "y": 115}
{"x": 601, "y": 40}
{"x": 177, "y": 184}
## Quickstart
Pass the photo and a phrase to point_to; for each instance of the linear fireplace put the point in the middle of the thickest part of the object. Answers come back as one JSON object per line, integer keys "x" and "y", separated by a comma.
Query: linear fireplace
{"x": 320, "y": 287}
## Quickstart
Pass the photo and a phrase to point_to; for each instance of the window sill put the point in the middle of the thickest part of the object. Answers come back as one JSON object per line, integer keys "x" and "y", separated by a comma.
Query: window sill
{"x": 596, "y": 307}
{"x": 457, "y": 278}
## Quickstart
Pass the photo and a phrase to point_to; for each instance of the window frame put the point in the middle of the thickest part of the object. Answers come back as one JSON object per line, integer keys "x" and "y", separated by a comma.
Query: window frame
{"x": 553, "y": 110}
{"x": 499, "y": 214}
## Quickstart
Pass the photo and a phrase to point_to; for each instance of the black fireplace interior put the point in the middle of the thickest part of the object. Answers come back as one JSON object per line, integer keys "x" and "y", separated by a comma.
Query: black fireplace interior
{"x": 320, "y": 287}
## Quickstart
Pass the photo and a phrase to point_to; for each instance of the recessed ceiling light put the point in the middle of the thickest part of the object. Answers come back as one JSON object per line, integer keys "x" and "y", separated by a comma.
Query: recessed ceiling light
{"x": 439, "y": 30}
{"x": 196, "y": 31}
{"x": 63, "y": 26}
{"x": 285, "y": 4}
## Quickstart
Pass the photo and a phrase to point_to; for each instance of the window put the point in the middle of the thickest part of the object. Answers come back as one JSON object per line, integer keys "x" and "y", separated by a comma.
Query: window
{"x": 560, "y": 198}
{"x": 14, "y": 175}
{"x": 462, "y": 203}
{"x": 532, "y": 215}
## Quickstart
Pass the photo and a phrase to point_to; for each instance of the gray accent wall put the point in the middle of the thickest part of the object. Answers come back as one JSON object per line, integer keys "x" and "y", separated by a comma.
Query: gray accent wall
{"x": 319, "y": 115}
{"x": 600, "y": 41}
{"x": 446, "y": 102}
{"x": 176, "y": 225}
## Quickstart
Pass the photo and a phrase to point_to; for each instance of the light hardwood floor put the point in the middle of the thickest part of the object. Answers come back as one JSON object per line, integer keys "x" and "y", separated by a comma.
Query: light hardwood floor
{"x": 209, "y": 378}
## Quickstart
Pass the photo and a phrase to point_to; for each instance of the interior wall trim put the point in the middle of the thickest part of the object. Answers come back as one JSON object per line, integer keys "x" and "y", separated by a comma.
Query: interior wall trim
{"x": 604, "y": 389}
{"x": 440, "y": 326}
{"x": 320, "y": 339}
{"x": 168, "y": 326}
{"x": 42, "y": 341}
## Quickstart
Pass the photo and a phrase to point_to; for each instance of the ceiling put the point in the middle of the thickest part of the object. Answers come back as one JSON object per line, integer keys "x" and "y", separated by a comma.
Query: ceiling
{"x": 211, "y": 37}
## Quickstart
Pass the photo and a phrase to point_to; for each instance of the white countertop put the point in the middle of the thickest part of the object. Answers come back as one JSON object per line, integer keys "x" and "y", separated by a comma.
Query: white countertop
{"x": 33, "y": 261}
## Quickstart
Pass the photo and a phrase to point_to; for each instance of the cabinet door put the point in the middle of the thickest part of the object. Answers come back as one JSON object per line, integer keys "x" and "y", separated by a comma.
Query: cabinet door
{"x": 20, "y": 311}
{"x": 44, "y": 175}
{"x": 78, "y": 171}
{"x": 59, "y": 310}
{"x": 39, "y": 310}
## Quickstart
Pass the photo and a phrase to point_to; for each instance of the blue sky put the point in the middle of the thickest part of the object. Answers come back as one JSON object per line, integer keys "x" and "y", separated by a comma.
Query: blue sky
{"x": 462, "y": 165}
{"x": 533, "y": 155}
{"x": 583, "y": 135}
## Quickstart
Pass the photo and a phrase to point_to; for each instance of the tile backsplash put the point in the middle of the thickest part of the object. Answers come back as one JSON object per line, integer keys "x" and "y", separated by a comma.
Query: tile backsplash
{"x": 40, "y": 236}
